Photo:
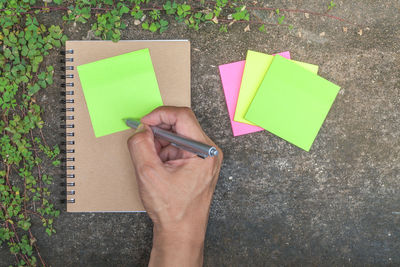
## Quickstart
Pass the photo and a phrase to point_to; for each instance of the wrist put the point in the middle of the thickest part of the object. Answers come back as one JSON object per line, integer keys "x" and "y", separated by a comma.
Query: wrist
{"x": 191, "y": 235}
{"x": 178, "y": 246}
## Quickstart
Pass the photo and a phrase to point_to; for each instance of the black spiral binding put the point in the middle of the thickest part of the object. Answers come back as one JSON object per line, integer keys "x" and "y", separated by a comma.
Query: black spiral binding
{"x": 68, "y": 126}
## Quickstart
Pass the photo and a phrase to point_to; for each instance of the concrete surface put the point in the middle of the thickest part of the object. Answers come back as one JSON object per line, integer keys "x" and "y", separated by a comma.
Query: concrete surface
{"x": 274, "y": 204}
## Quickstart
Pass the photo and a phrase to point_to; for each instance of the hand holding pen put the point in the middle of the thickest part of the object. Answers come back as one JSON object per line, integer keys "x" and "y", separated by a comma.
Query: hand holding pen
{"x": 176, "y": 186}
{"x": 179, "y": 141}
{"x": 168, "y": 137}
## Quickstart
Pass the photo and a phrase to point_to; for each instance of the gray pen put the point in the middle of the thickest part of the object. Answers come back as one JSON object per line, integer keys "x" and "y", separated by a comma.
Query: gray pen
{"x": 200, "y": 149}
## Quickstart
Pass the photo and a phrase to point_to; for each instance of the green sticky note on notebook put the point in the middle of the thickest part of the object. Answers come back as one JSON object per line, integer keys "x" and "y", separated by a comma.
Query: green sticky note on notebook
{"x": 292, "y": 102}
{"x": 256, "y": 67}
{"x": 119, "y": 87}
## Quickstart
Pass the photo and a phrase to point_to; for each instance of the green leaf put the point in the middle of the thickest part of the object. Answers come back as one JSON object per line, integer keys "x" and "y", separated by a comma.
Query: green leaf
{"x": 262, "y": 28}
{"x": 183, "y": 10}
{"x": 49, "y": 80}
{"x": 28, "y": 32}
{"x": 56, "y": 43}
{"x": 43, "y": 28}
{"x": 170, "y": 8}
{"x": 12, "y": 38}
{"x": 24, "y": 51}
{"x": 48, "y": 46}
{"x": 186, "y": 7}
{"x": 145, "y": 25}
{"x": 223, "y": 28}
{"x": 241, "y": 14}
{"x": 138, "y": 14}
{"x": 154, "y": 27}
{"x": 85, "y": 12}
{"x": 331, "y": 5}
{"x": 42, "y": 84}
{"x": 281, "y": 19}
{"x": 163, "y": 23}
{"x": 33, "y": 89}
{"x": 24, "y": 79}
{"x": 155, "y": 14}
{"x": 41, "y": 75}
{"x": 64, "y": 38}
{"x": 124, "y": 9}
{"x": 81, "y": 19}
{"x": 25, "y": 225}
{"x": 209, "y": 16}
{"x": 48, "y": 231}
{"x": 38, "y": 59}
{"x": 7, "y": 53}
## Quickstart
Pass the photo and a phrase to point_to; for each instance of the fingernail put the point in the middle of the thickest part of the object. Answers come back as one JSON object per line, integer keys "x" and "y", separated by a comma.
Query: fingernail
{"x": 140, "y": 128}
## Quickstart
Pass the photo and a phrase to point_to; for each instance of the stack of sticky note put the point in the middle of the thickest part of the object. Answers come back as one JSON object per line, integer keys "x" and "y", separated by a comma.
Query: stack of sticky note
{"x": 282, "y": 96}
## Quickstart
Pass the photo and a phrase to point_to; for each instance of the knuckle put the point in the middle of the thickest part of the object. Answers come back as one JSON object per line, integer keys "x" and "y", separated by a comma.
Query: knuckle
{"x": 146, "y": 170}
{"x": 187, "y": 113}
{"x": 186, "y": 110}
{"x": 161, "y": 108}
{"x": 131, "y": 141}
{"x": 137, "y": 138}
{"x": 156, "y": 111}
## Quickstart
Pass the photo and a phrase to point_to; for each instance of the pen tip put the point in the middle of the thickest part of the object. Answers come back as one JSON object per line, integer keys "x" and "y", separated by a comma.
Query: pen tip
{"x": 132, "y": 122}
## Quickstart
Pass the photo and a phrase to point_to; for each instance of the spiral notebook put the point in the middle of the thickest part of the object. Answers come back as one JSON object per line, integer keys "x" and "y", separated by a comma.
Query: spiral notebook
{"x": 99, "y": 173}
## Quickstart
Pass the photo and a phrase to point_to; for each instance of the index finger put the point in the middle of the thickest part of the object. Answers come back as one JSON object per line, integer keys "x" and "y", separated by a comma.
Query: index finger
{"x": 143, "y": 150}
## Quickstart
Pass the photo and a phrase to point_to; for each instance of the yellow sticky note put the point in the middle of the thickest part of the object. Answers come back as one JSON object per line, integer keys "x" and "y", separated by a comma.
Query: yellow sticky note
{"x": 256, "y": 67}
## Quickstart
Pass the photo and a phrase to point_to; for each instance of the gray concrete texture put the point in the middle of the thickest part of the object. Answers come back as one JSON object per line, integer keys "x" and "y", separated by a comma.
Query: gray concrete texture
{"x": 274, "y": 204}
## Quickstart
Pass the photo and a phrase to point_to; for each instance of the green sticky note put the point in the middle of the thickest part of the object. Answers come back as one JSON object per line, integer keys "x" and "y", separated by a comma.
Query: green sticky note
{"x": 256, "y": 67}
{"x": 119, "y": 87}
{"x": 292, "y": 102}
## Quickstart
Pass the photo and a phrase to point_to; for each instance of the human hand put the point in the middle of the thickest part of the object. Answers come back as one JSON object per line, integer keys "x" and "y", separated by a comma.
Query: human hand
{"x": 175, "y": 186}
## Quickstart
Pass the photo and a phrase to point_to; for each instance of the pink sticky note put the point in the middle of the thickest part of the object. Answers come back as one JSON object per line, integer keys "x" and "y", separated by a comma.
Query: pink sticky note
{"x": 231, "y": 77}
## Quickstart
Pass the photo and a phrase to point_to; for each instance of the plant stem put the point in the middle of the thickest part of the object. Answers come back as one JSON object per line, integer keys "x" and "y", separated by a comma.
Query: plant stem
{"x": 209, "y": 2}
{"x": 36, "y": 248}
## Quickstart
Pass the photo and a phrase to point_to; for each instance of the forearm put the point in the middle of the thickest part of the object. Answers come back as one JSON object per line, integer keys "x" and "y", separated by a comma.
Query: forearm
{"x": 175, "y": 186}
{"x": 176, "y": 248}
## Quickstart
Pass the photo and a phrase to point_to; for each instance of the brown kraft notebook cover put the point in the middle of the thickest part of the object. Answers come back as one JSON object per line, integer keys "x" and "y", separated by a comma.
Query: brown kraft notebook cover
{"x": 100, "y": 175}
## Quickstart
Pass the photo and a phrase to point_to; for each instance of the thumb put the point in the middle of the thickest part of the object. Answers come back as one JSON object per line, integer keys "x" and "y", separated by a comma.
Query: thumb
{"x": 142, "y": 149}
